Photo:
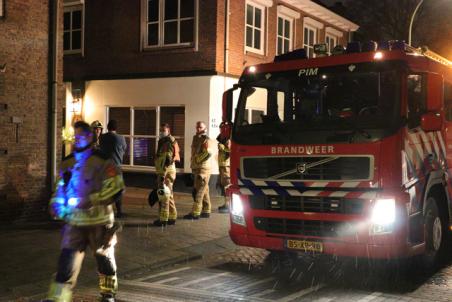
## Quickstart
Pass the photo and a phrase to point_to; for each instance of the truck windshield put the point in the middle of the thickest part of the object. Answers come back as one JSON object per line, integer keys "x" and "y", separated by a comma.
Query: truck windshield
{"x": 357, "y": 98}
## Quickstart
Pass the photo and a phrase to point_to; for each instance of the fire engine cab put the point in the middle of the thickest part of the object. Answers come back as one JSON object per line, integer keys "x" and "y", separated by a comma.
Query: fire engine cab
{"x": 347, "y": 154}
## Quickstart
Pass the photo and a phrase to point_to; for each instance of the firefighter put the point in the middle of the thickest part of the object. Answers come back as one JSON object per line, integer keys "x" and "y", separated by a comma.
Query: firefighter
{"x": 200, "y": 165}
{"x": 224, "y": 150}
{"x": 87, "y": 184}
{"x": 97, "y": 131}
{"x": 165, "y": 158}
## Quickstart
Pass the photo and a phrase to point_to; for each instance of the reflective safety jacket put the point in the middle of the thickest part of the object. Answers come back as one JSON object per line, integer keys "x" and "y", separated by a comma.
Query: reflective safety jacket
{"x": 95, "y": 180}
{"x": 167, "y": 154}
{"x": 200, "y": 152}
{"x": 224, "y": 151}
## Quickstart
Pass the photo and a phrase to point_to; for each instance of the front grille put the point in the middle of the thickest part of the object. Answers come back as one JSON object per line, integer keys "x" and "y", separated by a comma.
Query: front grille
{"x": 315, "y": 228}
{"x": 307, "y": 204}
{"x": 334, "y": 169}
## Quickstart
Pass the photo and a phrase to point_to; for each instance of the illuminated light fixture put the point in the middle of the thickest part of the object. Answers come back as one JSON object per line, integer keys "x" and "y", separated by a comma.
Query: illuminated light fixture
{"x": 76, "y": 106}
{"x": 237, "y": 210}
{"x": 252, "y": 69}
{"x": 378, "y": 55}
{"x": 324, "y": 76}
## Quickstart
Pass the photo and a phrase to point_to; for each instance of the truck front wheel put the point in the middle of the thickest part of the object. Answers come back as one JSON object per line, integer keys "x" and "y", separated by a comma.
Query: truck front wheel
{"x": 435, "y": 233}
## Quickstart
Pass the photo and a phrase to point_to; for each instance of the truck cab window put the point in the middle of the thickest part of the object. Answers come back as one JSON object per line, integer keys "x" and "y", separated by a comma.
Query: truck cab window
{"x": 416, "y": 99}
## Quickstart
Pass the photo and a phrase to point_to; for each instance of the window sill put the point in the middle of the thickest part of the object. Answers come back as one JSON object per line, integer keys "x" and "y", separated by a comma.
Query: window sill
{"x": 172, "y": 49}
{"x": 255, "y": 54}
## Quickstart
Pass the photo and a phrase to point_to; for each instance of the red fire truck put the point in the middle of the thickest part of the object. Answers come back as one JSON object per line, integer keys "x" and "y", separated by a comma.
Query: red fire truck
{"x": 345, "y": 154}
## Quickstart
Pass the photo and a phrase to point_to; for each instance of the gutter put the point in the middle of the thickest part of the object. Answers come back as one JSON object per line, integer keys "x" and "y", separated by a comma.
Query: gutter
{"x": 226, "y": 37}
{"x": 52, "y": 88}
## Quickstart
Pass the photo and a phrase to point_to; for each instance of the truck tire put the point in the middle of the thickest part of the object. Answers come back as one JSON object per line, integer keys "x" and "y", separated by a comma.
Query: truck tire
{"x": 435, "y": 234}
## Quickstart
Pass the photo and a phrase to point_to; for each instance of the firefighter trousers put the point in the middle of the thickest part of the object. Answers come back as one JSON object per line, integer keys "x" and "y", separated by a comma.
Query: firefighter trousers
{"x": 74, "y": 244}
{"x": 225, "y": 181}
{"x": 168, "y": 207}
{"x": 201, "y": 197}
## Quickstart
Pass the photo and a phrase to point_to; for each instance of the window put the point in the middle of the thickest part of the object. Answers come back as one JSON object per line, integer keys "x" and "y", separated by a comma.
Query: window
{"x": 170, "y": 22}
{"x": 73, "y": 29}
{"x": 140, "y": 127}
{"x": 330, "y": 41}
{"x": 309, "y": 39}
{"x": 416, "y": 99}
{"x": 448, "y": 100}
{"x": 254, "y": 28}
{"x": 284, "y": 35}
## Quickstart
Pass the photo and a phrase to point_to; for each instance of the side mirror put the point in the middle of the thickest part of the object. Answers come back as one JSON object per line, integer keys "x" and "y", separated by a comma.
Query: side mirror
{"x": 431, "y": 122}
{"x": 228, "y": 100}
{"x": 434, "y": 92}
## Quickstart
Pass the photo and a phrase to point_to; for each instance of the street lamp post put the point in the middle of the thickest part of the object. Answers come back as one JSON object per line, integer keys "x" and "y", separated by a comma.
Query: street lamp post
{"x": 411, "y": 21}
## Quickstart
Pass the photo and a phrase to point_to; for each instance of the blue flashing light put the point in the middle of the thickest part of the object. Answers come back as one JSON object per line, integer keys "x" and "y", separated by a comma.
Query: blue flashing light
{"x": 369, "y": 46}
{"x": 293, "y": 55}
{"x": 384, "y": 45}
{"x": 353, "y": 47}
{"x": 59, "y": 200}
{"x": 73, "y": 201}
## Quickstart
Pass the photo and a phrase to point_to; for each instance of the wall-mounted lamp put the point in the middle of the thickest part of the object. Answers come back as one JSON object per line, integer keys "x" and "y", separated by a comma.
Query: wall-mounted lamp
{"x": 76, "y": 106}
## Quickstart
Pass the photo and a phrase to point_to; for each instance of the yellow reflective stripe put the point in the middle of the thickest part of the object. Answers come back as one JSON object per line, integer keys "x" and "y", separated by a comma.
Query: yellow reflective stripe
{"x": 110, "y": 187}
{"x": 203, "y": 156}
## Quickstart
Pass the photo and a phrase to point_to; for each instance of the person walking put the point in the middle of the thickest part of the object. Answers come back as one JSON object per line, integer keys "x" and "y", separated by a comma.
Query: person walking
{"x": 165, "y": 158}
{"x": 200, "y": 165}
{"x": 224, "y": 151}
{"x": 97, "y": 131}
{"x": 114, "y": 146}
{"x": 86, "y": 186}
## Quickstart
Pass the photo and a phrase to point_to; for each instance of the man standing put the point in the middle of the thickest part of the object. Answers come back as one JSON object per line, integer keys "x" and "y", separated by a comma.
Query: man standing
{"x": 200, "y": 165}
{"x": 114, "y": 146}
{"x": 224, "y": 150}
{"x": 87, "y": 183}
{"x": 165, "y": 158}
{"x": 97, "y": 130}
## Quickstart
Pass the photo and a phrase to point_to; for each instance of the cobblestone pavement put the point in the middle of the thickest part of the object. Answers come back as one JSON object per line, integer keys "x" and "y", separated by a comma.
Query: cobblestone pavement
{"x": 173, "y": 264}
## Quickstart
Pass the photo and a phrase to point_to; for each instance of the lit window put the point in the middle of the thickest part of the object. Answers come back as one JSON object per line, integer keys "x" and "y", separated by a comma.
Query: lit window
{"x": 73, "y": 29}
{"x": 170, "y": 22}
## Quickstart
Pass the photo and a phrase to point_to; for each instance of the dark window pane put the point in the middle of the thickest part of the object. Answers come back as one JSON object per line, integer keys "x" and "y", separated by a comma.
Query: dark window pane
{"x": 77, "y": 19}
{"x": 311, "y": 37}
{"x": 153, "y": 10}
{"x": 67, "y": 21}
{"x": 67, "y": 41}
{"x": 305, "y": 36}
{"x": 145, "y": 122}
{"x": 286, "y": 46}
{"x": 257, "y": 17}
{"x": 153, "y": 34}
{"x": 122, "y": 117}
{"x": 257, "y": 39}
{"x": 186, "y": 31}
{"x": 286, "y": 29}
{"x": 187, "y": 8}
{"x": 249, "y": 15}
{"x": 126, "y": 158}
{"x": 175, "y": 117}
{"x": 247, "y": 113}
{"x": 171, "y": 32}
{"x": 280, "y": 45}
{"x": 171, "y": 9}
{"x": 143, "y": 151}
{"x": 280, "y": 26}
{"x": 77, "y": 39}
{"x": 249, "y": 36}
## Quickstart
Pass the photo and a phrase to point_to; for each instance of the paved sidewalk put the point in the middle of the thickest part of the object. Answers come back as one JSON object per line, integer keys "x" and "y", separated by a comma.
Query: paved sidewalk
{"x": 29, "y": 255}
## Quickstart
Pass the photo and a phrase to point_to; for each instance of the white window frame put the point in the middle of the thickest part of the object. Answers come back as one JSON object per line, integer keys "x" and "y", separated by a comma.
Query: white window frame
{"x": 333, "y": 34}
{"x": 262, "y": 27}
{"x": 131, "y": 136}
{"x": 328, "y": 38}
{"x": 71, "y": 7}
{"x": 161, "y": 23}
{"x": 307, "y": 46}
{"x": 315, "y": 26}
{"x": 290, "y": 39}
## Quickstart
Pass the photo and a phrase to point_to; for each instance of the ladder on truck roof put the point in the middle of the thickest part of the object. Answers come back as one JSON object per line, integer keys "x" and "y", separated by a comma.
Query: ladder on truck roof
{"x": 434, "y": 56}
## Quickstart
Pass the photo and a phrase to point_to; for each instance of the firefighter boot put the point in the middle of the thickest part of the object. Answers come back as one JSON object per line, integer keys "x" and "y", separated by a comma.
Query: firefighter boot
{"x": 107, "y": 298}
{"x": 59, "y": 292}
{"x": 160, "y": 223}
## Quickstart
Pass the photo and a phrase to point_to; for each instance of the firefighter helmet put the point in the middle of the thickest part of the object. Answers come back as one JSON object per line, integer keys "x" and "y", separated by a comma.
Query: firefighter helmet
{"x": 96, "y": 124}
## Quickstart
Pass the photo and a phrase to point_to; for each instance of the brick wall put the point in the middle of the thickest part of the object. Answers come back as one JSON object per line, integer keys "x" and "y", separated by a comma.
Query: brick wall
{"x": 24, "y": 42}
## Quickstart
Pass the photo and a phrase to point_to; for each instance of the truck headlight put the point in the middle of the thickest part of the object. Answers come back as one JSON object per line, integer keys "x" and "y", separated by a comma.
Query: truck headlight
{"x": 237, "y": 213}
{"x": 383, "y": 215}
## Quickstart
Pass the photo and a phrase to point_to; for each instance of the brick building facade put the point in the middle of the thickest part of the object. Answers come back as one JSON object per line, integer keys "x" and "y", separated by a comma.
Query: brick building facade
{"x": 24, "y": 108}
{"x": 144, "y": 62}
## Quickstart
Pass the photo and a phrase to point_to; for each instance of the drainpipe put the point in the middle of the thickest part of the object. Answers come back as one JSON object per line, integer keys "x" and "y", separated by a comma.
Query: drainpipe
{"x": 226, "y": 37}
{"x": 52, "y": 88}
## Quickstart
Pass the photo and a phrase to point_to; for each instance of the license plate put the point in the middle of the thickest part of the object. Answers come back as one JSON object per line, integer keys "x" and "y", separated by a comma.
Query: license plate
{"x": 304, "y": 245}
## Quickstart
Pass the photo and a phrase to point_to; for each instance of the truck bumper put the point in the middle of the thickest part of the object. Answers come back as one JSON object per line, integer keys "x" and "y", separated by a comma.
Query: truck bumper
{"x": 333, "y": 247}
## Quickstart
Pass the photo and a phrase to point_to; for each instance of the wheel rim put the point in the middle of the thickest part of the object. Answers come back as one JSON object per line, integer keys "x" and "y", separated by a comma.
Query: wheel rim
{"x": 437, "y": 233}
